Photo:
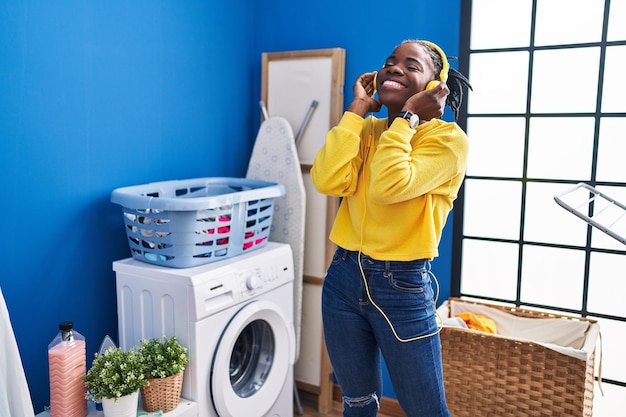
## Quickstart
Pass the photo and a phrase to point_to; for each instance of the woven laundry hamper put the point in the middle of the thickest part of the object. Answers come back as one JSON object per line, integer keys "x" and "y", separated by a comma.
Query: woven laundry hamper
{"x": 493, "y": 375}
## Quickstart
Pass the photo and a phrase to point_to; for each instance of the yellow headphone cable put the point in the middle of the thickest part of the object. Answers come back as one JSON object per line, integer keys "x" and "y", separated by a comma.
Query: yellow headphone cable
{"x": 367, "y": 290}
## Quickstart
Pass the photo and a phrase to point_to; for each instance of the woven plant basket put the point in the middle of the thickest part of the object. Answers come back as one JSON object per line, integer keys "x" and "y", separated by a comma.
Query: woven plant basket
{"x": 492, "y": 375}
{"x": 162, "y": 393}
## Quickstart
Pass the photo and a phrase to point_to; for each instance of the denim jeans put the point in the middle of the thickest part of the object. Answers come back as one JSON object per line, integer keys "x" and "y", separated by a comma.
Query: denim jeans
{"x": 356, "y": 332}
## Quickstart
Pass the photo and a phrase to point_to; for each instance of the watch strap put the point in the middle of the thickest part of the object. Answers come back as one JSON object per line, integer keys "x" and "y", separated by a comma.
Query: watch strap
{"x": 412, "y": 118}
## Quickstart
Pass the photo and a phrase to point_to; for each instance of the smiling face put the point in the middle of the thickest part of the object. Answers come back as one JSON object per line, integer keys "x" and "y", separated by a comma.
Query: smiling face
{"x": 406, "y": 72}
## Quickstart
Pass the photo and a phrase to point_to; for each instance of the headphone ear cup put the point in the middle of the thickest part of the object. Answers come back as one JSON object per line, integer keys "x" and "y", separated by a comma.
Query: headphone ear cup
{"x": 432, "y": 84}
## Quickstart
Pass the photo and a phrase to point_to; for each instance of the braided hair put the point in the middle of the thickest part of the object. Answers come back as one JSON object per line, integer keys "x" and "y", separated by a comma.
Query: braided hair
{"x": 456, "y": 82}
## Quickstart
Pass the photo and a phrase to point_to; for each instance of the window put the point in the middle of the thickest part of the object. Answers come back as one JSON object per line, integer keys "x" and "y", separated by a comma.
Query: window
{"x": 547, "y": 112}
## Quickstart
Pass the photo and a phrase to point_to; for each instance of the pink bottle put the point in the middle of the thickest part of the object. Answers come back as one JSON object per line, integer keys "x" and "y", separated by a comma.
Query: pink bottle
{"x": 67, "y": 361}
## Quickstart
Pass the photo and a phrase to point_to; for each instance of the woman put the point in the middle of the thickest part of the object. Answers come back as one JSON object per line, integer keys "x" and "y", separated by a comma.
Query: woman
{"x": 398, "y": 178}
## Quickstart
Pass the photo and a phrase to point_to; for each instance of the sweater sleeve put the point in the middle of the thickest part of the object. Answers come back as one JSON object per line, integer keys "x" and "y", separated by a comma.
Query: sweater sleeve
{"x": 336, "y": 166}
{"x": 409, "y": 164}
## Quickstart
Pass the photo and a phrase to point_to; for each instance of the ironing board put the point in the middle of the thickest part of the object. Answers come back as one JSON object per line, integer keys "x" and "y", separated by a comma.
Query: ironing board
{"x": 275, "y": 158}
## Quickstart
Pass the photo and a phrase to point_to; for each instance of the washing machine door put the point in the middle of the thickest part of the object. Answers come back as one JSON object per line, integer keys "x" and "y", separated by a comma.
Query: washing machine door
{"x": 252, "y": 360}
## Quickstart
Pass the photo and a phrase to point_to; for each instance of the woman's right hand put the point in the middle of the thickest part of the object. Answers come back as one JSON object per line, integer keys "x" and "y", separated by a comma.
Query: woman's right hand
{"x": 364, "y": 90}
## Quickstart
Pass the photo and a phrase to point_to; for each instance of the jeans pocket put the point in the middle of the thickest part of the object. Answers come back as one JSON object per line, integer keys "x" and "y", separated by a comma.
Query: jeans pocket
{"x": 412, "y": 282}
{"x": 338, "y": 256}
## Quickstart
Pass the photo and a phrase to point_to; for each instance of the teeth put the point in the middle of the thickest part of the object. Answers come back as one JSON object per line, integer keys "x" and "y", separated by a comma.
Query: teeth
{"x": 392, "y": 84}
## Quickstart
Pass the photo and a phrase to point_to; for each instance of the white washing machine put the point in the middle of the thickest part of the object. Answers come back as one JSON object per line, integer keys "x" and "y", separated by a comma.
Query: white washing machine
{"x": 236, "y": 318}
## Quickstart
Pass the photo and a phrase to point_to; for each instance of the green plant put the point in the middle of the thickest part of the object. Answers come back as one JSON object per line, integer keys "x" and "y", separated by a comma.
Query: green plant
{"x": 115, "y": 373}
{"x": 163, "y": 357}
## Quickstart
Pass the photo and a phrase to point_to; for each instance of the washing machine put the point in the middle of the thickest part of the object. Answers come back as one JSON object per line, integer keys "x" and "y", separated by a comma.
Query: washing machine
{"x": 236, "y": 318}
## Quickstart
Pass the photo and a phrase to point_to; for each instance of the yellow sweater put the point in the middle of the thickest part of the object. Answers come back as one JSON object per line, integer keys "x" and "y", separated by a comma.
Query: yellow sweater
{"x": 395, "y": 204}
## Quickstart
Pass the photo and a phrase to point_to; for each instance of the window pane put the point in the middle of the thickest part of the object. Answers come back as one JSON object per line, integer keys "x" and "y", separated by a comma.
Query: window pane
{"x": 617, "y": 21}
{"x": 560, "y": 148}
{"x": 509, "y": 24}
{"x": 565, "y": 80}
{"x": 500, "y": 82}
{"x": 612, "y": 149}
{"x": 552, "y": 276}
{"x": 496, "y": 277}
{"x": 613, "y": 363}
{"x": 613, "y": 218}
{"x": 555, "y": 126}
{"x": 607, "y": 271}
{"x": 546, "y": 221}
{"x": 613, "y": 89}
{"x": 496, "y": 146}
{"x": 568, "y": 21}
{"x": 492, "y": 208}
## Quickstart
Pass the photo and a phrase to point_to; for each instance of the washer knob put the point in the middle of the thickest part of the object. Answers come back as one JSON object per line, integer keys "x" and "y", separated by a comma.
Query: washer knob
{"x": 253, "y": 282}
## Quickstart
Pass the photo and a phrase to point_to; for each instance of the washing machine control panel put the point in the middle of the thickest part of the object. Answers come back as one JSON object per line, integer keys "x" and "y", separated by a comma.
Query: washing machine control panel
{"x": 242, "y": 279}
{"x": 262, "y": 278}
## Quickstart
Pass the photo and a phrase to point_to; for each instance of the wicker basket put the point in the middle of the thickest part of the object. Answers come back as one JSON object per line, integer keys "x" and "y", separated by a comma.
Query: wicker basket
{"x": 162, "y": 393}
{"x": 493, "y": 375}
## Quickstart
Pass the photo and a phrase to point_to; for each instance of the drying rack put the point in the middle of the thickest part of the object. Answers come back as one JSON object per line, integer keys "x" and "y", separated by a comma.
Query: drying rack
{"x": 596, "y": 208}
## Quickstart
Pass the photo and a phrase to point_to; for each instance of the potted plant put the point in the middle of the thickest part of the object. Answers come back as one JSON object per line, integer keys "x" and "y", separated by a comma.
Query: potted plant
{"x": 163, "y": 362}
{"x": 115, "y": 378}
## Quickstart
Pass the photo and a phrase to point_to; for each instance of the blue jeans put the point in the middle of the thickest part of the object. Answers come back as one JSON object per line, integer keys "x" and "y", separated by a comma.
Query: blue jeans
{"x": 356, "y": 332}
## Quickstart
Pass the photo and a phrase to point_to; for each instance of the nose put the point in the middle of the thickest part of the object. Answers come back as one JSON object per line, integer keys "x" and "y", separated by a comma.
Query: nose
{"x": 393, "y": 69}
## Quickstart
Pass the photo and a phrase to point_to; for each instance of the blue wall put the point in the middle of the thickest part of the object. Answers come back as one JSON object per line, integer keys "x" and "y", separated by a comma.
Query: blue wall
{"x": 101, "y": 94}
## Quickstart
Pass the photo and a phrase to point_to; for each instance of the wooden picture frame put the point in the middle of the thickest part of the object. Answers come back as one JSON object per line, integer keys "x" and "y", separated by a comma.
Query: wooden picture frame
{"x": 293, "y": 80}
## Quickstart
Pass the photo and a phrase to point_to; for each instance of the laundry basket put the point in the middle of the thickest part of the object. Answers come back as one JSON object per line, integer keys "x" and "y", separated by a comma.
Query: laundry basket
{"x": 495, "y": 375}
{"x": 185, "y": 223}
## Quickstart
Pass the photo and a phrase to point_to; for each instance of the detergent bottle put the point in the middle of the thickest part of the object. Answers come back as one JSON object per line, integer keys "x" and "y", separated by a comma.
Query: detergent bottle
{"x": 67, "y": 363}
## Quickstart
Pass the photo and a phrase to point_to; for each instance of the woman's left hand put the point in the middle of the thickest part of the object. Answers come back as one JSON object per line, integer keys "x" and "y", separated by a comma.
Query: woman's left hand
{"x": 430, "y": 103}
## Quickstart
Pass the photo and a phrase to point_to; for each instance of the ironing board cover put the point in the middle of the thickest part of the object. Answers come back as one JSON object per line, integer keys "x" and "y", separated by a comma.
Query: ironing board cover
{"x": 275, "y": 158}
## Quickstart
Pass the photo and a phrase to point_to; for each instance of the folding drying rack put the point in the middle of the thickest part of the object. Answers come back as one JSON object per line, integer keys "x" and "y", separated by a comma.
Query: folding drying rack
{"x": 596, "y": 208}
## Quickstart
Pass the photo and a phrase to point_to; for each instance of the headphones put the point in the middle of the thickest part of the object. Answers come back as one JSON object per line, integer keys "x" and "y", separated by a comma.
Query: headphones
{"x": 443, "y": 75}
{"x": 445, "y": 66}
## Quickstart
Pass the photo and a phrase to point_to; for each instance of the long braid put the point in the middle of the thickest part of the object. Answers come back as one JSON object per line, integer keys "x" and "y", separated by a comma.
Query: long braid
{"x": 457, "y": 83}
